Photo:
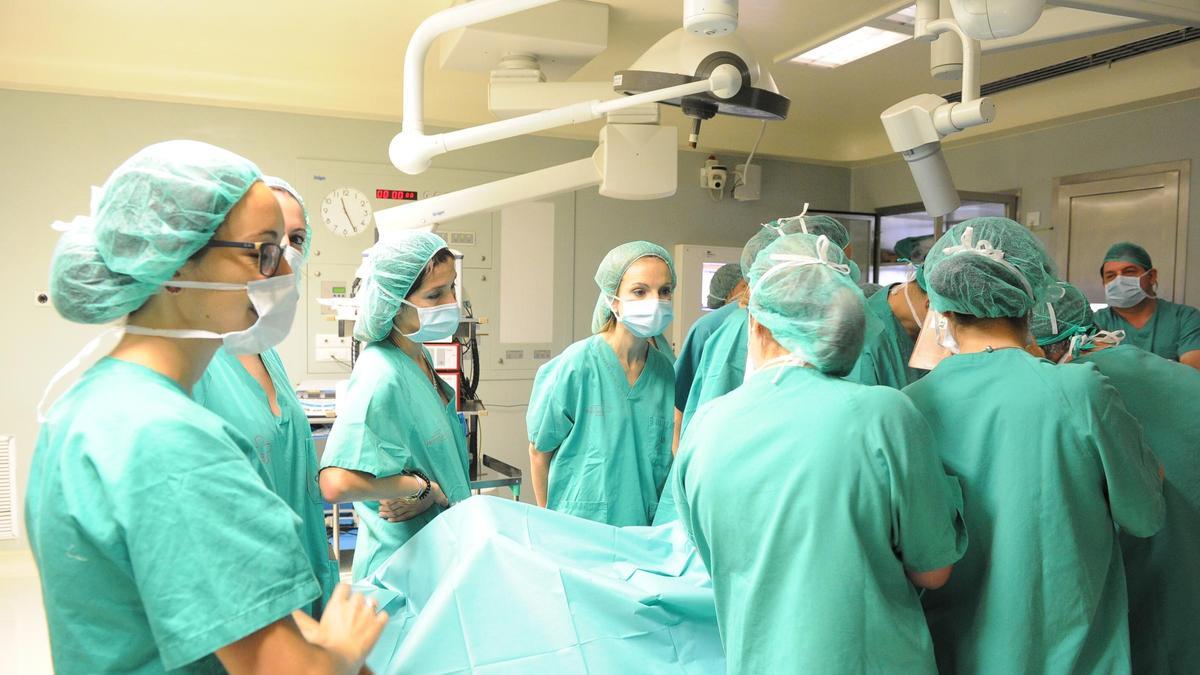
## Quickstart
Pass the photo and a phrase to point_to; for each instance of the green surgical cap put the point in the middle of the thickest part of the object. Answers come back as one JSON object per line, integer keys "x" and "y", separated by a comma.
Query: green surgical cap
{"x": 997, "y": 269}
{"x": 722, "y": 283}
{"x": 154, "y": 212}
{"x": 909, "y": 248}
{"x": 277, "y": 183}
{"x": 814, "y": 225}
{"x": 1065, "y": 312}
{"x": 1129, "y": 252}
{"x": 391, "y": 268}
{"x": 921, "y": 283}
{"x": 612, "y": 269}
{"x": 801, "y": 291}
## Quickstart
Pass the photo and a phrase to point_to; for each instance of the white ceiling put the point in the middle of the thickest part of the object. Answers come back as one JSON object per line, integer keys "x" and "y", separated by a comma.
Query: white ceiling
{"x": 345, "y": 59}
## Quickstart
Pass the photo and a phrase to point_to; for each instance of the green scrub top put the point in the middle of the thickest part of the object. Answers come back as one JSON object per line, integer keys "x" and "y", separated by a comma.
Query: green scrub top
{"x": 1172, "y": 330}
{"x": 722, "y": 365}
{"x": 688, "y": 363}
{"x": 283, "y": 444}
{"x": 887, "y": 347}
{"x": 1163, "y": 572}
{"x": 156, "y": 537}
{"x": 664, "y": 347}
{"x": 611, "y": 441}
{"x": 1048, "y": 458}
{"x": 808, "y": 520}
{"x": 393, "y": 421}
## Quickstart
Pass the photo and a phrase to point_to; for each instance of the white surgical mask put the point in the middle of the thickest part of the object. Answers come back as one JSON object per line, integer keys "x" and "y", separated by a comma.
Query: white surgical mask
{"x": 274, "y": 300}
{"x": 944, "y": 337}
{"x": 438, "y": 323}
{"x": 644, "y": 318}
{"x": 1124, "y": 292}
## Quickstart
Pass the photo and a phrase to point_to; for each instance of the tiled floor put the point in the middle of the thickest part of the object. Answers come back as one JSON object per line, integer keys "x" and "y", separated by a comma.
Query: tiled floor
{"x": 24, "y": 641}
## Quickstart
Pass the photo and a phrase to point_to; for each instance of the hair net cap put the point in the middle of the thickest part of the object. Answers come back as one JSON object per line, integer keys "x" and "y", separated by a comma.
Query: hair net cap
{"x": 813, "y": 308}
{"x": 723, "y": 281}
{"x": 1001, "y": 272}
{"x": 612, "y": 270}
{"x": 1127, "y": 251}
{"x": 1065, "y": 312}
{"x": 392, "y": 267}
{"x": 814, "y": 225}
{"x": 277, "y": 183}
{"x": 920, "y": 278}
{"x": 157, "y": 209}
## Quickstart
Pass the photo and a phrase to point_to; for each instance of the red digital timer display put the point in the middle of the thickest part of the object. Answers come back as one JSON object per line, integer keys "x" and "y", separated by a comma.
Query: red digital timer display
{"x": 381, "y": 193}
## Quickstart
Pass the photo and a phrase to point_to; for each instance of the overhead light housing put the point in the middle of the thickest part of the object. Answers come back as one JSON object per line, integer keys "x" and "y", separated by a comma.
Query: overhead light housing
{"x": 869, "y": 38}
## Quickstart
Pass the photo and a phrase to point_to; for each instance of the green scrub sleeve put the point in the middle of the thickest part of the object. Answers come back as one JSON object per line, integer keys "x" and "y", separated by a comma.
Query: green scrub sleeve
{"x": 550, "y": 417}
{"x": 214, "y": 552}
{"x": 927, "y": 525}
{"x": 1131, "y": 475}
{"x": 355, "y": 446}
{"x": 1189, "y": 330}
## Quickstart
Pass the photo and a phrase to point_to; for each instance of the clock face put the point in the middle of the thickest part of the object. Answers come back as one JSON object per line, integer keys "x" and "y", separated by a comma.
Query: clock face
{"x": 346, "y": 212}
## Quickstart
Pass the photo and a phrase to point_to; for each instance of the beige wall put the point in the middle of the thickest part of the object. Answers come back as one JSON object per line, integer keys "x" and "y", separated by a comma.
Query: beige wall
{"x": 55, "y": 146}
{"x": 1029, "y": 162}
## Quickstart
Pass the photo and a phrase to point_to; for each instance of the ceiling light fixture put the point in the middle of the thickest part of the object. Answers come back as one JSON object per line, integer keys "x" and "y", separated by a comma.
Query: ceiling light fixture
{"x": 873, "y": 36}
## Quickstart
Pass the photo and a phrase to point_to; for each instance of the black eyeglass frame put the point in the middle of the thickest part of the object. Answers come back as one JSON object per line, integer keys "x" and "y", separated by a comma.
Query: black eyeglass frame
{"x": 269, "y": 253}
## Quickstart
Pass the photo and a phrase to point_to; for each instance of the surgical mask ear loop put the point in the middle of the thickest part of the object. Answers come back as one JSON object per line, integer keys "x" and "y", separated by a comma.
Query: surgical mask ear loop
{"x": 911, "y": 307}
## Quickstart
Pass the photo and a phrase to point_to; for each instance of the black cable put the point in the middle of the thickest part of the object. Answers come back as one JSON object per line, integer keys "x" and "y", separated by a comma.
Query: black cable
{"x": 354, "y": 344}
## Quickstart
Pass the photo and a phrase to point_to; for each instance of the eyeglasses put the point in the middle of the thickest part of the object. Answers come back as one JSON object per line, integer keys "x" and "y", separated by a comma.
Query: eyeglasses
{"x": 269, "y": 253}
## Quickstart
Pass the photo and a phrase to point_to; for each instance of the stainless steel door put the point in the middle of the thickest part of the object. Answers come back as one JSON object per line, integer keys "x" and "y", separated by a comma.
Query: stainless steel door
{"x": 1146, "y": 205}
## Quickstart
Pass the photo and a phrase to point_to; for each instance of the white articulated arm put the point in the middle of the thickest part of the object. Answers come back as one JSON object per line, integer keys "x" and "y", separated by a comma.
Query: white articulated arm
{"x": 412, "y": 152}
{"x": 460, "y": 16}
{"x": 426, "y": 213}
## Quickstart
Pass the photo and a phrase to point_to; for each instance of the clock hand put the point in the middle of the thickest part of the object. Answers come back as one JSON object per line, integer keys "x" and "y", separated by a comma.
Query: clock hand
{"x": 347, "y": 212}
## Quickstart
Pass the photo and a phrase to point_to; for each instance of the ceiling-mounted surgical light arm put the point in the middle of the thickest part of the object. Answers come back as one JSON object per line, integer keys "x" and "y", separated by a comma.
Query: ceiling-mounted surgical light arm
{"x": 412, "y": 150}
{"x": 916, "y": 126}
{"x": 460, "y": 16}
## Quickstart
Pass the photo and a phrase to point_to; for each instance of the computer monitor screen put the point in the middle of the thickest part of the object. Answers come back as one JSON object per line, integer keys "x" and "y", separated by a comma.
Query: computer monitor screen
{"x": 707, "y": 270}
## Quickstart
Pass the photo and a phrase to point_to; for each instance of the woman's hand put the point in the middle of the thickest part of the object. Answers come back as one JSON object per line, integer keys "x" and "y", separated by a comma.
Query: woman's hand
{"x": 349, "y": 627}
{"x": 400, "y": 510}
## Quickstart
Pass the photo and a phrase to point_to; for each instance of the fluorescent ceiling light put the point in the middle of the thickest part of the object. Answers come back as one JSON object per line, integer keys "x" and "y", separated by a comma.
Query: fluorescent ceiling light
{"x": 873, "y": 36}
{"x": 850, "y": 47}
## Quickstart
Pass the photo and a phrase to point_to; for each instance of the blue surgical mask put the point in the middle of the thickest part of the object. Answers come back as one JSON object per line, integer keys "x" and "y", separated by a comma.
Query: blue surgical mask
{"x": 437, "y": 323}
{"x": 645, "y": 318}
{"x": 1124, "y": 292}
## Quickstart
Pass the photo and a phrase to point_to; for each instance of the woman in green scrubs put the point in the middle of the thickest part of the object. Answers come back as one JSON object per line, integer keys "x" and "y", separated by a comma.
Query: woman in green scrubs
{"x": 254, "y": 394}
{"x": 723, "y": 363}
{"x": 1050, "y": 461}
{"x": 600, "y": 416}
{"x": 159, "y": 545}
{"x": 1161, "y": 572}
{"x": 397, "y": 448}
{"x": 816, "y": 503}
